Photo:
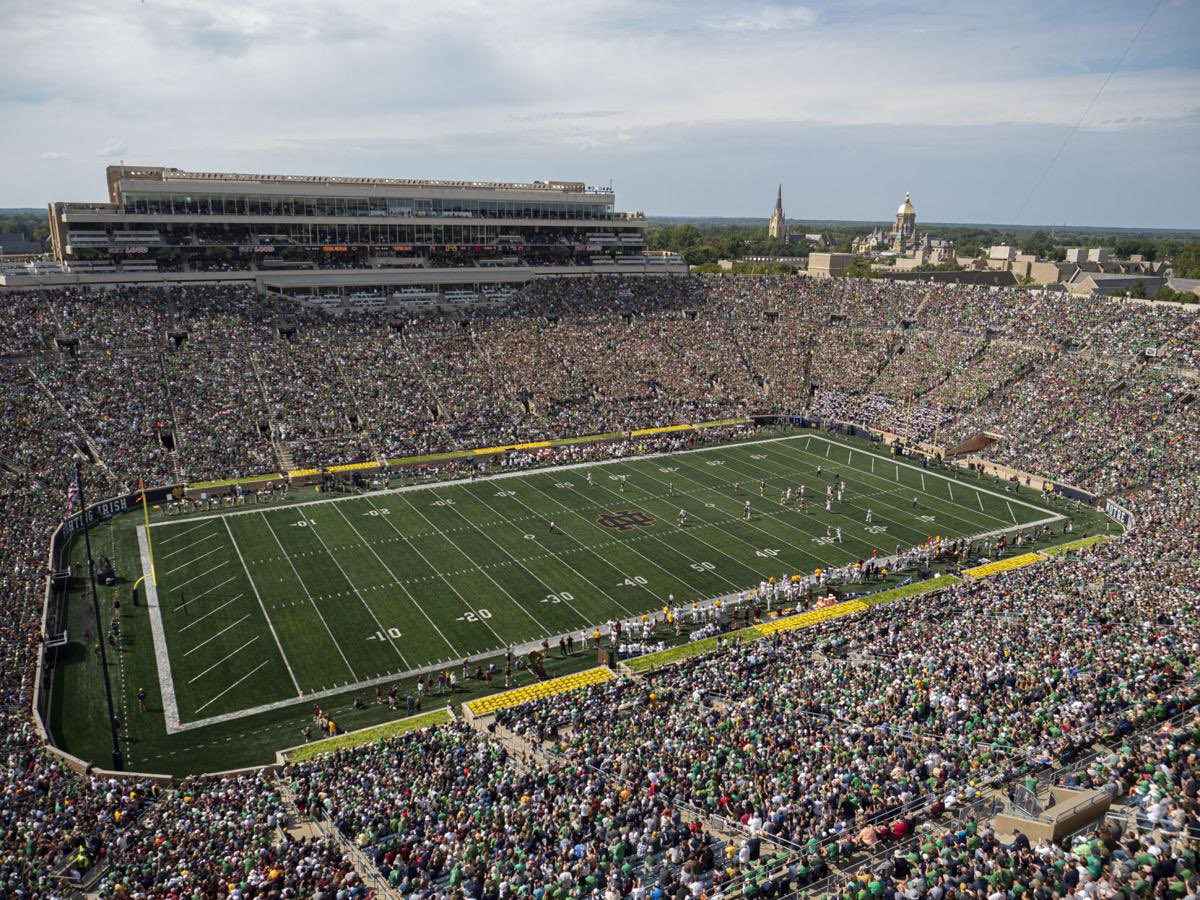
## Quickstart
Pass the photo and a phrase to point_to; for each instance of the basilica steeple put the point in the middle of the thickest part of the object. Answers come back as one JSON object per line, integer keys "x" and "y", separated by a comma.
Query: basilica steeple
{"x": 777, "y": 230}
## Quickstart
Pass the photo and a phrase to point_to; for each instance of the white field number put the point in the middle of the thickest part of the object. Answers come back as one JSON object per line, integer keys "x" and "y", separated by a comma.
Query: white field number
{"x": 305, "y": 523}
{"x": 632, "y": 581}
{"x": 382, "y": 511}
{"x": 479, "y": 614}
{"x": 442, "y": 503}
{"x": 393, "y": 633}
{"x": 768, "y": 552}
{"x": 703, "y": 566}
{"x": 559, "y": 598}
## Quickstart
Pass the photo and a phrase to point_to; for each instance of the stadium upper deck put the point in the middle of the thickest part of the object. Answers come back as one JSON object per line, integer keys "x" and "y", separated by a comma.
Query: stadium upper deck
{"x": 166, "y": 220}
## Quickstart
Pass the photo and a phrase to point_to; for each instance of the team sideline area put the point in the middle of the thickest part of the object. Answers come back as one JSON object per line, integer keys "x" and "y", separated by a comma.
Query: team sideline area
{"x": 875, "y": 673}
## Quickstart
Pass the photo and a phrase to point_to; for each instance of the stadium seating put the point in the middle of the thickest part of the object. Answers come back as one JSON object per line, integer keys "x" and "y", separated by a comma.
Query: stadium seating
{"x": 867, "y": 734}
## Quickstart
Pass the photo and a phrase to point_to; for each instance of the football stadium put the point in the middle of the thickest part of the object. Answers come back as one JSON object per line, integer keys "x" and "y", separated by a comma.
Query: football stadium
{"x": 789, "y": 576}
{"x": 489, "y": 534}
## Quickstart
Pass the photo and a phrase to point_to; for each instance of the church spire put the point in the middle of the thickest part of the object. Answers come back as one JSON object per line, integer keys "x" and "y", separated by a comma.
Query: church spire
{"x": 778, "y": 227}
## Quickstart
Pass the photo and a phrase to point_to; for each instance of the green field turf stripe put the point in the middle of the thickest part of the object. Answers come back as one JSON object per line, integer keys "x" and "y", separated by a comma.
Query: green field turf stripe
{"x": 664, "y": 514}
{"x": 590, "y": 523}
{"x": 879, "y": 490}
{"x": 767, "y": 507}
{"x": 334, "y": 558}
{"x": 735, "y": 525}
{"x": 478, "y": 618}
{"x": 592, "y": 553}
{"x": 303, "y": 585}
{"x": 771, "y": 470}
{"x": 400, "y": 584}
{"x": 518, "y": 541}
{"x": 953, "y": 512}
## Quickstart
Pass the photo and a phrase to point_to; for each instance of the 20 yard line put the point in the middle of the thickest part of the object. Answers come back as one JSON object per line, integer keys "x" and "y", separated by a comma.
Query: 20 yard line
{"x": 398, "y": 582}
{"x": 254, "y": 587}
{"x": 223, "y": 562}
{"x": 438, "y": 572}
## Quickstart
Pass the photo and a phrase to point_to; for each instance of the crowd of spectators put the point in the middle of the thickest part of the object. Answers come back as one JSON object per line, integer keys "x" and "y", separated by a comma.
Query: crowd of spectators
{"x": 808, "y": 748}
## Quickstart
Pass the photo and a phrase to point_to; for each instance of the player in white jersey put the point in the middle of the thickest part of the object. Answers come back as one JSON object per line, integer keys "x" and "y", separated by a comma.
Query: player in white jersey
{"x": 838, "y": 531}
{"x": 870, "y": 515}
{"x": 682, "y": 517}
{"x": 589, "y": 476}
{"x": 746, "y": 511}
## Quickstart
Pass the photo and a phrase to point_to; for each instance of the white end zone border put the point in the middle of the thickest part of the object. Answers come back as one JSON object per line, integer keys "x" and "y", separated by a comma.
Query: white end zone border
{"x": 167, "y": 684}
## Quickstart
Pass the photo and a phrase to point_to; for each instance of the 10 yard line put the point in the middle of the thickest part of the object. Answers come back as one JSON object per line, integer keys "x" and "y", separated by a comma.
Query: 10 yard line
{"x": 254, "y": 587}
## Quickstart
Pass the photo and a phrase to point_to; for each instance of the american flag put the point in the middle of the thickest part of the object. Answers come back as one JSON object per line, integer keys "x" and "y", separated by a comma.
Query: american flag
{"x": 73, "y": 491}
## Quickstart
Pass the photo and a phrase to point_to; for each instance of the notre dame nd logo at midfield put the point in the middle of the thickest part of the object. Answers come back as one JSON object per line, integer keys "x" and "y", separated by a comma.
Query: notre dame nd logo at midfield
{"x": 625, "y": 519}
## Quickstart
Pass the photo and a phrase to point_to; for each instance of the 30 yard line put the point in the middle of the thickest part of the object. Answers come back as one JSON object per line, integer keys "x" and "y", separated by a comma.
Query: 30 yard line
{"x": 266, "y": 618}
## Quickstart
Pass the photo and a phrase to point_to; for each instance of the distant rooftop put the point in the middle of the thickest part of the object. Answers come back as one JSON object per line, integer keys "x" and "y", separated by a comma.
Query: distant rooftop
{"x": 162, "y": 173}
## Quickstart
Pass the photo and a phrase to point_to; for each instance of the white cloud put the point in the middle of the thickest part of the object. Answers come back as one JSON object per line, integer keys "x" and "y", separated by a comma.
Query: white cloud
{"x": 112, "y": 147}
{"x": 53, "y": 156}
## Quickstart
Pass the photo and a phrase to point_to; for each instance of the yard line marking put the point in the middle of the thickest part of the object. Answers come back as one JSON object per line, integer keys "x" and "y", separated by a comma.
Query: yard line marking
{"x": 182, "y": 533}
{"x": 217, "y": 635}
{"x": 413, "y": 507}
{"x": 672, "y": 576}
{"x": 397, "y": 580}
{"x": 225, "y": 657}
{"x": 979, "y": 499}
{"x": 363, "y": 600}
{"x": 1010, "y": 512}
{"x": 789, "y": 441}
{"x": 267, "y": 522}
{"x": 209, "y": 613}
{"x": 591, "y": 550}
{"x": 950, "y": 488}
{"x": 191, "y": 561}
{"x": 923, "y": 491}
{"x": 223, "y": 562}
{"x": 733, "y": 519}
{"x": 528, "y": 571}
{"x": 270, "y": 624}
{"x": 231, "y": 687}
{"x": 203, "y": 594}
{"x": 211, "y": 534}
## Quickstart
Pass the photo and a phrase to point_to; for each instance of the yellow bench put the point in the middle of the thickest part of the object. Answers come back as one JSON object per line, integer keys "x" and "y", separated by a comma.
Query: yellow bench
{"x": 810, "y": 618}
{"x": 540, "y": 690}
{"x": 1004, "y": 565}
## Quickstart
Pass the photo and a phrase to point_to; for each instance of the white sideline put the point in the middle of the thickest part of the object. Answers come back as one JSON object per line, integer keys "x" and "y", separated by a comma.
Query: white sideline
{"x": 166, "y": 683}
{"x": 171, "y": 713}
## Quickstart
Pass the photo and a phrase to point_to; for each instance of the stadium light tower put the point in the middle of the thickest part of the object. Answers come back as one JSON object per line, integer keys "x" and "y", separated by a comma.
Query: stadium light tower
{"x": 118, "y": 758}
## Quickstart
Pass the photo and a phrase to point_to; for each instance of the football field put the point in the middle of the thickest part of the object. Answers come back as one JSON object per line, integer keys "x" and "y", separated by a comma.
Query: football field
{"x": 260, "y": 607}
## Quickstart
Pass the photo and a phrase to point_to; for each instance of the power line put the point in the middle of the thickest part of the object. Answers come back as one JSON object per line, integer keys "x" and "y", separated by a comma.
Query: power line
{"x": 1083, "y": 117}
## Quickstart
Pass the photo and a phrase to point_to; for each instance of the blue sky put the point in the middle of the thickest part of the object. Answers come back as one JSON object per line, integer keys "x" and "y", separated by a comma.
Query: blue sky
{"x": 692, "y": 108}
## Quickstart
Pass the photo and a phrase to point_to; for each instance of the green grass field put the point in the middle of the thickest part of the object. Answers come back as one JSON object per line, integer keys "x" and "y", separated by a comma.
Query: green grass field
{"x": 260, "y": 611}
